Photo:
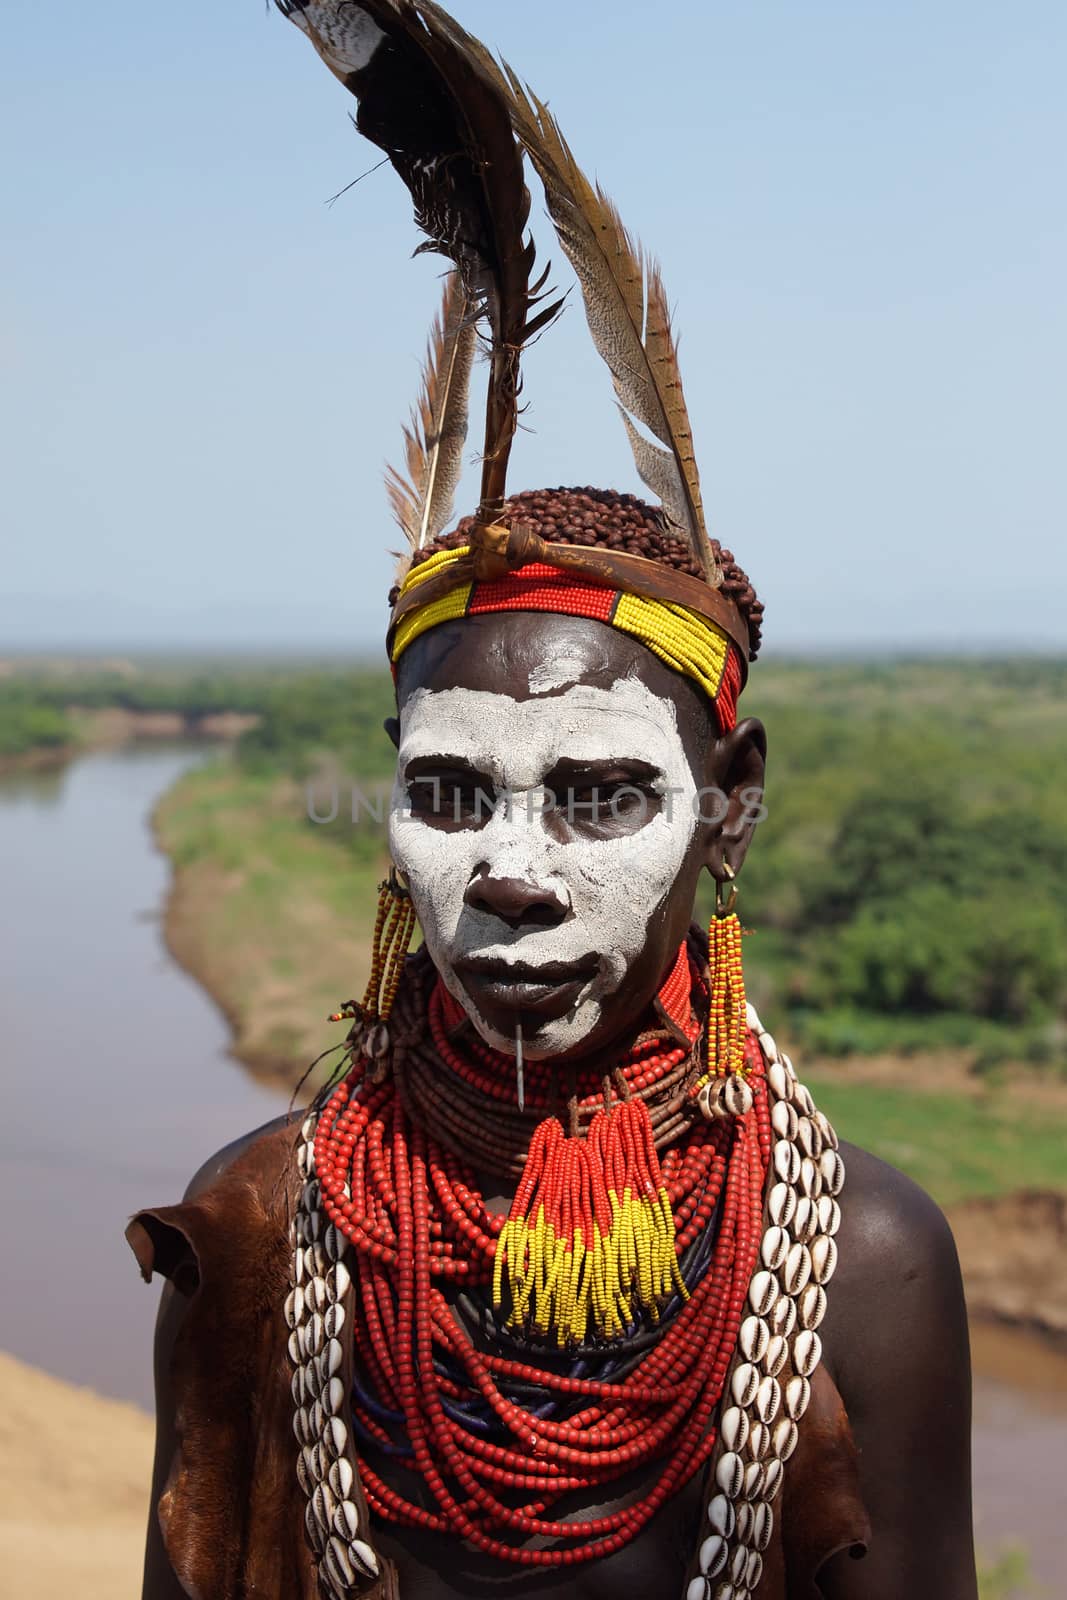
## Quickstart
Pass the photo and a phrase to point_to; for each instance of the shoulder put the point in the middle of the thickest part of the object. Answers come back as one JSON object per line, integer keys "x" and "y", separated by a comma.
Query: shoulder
{"x": 897, "y": 1291}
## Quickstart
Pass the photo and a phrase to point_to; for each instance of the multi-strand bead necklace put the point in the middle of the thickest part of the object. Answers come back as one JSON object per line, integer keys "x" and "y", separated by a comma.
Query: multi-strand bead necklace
{"x": 497, "y": 1441}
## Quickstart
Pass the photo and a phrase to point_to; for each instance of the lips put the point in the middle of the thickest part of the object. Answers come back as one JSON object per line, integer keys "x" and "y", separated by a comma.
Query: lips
{"x": 523, "y": 989}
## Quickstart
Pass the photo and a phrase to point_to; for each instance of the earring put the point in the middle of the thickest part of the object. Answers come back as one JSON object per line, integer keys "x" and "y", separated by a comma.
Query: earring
{"x": 394, "y": 925}
{"x": 724, "y": 1090}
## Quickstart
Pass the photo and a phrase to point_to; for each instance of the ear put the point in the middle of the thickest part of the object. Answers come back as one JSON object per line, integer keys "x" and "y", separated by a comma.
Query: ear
{"x": 162, "y": 1241}
{"x": 392, "y": 728}
{"x": 739, "y": 763}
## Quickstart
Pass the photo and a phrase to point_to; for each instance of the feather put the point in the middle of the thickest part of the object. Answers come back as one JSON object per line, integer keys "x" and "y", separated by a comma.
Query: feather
{"x": 433, "y": 442}
{"x": 626, "y": 308}
{"x": 447, "y": 131}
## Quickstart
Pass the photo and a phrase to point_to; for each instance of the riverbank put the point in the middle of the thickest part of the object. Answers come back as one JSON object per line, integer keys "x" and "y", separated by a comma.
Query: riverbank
{"x": 75, "y": 1471}
{"x": 273, "y": 919}
{"x": 273, "y": 916}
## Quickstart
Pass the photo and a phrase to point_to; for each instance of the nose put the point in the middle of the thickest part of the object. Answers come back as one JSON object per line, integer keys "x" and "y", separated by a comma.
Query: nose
{"x": 515, "y": 901}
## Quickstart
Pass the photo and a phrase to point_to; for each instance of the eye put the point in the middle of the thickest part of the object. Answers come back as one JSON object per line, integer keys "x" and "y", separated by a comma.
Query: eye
{"x": 609, "y": 803}
{"x": 451, "y": 799}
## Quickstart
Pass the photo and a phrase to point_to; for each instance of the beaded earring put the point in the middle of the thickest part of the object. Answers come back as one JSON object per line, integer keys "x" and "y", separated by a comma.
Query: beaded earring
{"x": 724, "y": 1091}
{"x": 394, "y": 925}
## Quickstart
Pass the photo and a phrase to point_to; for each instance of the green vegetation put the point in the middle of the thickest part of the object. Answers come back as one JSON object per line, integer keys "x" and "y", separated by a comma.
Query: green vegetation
{"x": 1007, "y": 1577}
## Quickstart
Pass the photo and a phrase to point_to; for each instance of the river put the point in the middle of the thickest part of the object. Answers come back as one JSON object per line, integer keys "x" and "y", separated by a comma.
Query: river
{"x": 119, "y": 1083}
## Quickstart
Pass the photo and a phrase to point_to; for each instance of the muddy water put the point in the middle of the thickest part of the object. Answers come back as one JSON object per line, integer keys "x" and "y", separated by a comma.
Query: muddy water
{"x": 118, "y": 1084}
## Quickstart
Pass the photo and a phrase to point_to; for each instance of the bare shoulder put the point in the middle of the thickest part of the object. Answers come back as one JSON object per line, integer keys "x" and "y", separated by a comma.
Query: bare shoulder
{"x": 897, "y": 1287}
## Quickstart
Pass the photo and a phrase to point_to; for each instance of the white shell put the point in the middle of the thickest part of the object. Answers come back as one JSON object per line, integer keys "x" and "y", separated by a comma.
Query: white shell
{"x": 753, "y": 1338}
{"x": 338, "y": 1564}
{"x": 807, "y": 1352}
{"x": 778, "y": 1079}
{"x": 699, "y": 1589}
{"x": 823, "y": 1258}
{"x": 801, "y": 1097}
{"x": 738, "y": 1563}
{"x": 294, "y": 1306}
{"x": 316, "y": 1296}
{"x": 325, "y": 1505}
{"x": 346, "y": 1521}
{"x": 759, "y": 1441}
{"x": 783, "y": 1316}
{"x": 797, "y": 1395}
{"x": 721, "y": 1515}
{"x": 768, "y": 1399}
{"x": 774, "y": 1248}
{"x": 797, "y": 1269}
{"x": 781, "y": 1204}
{"x": 833, "y": 1171}
{"x": 774, "y": 1357}
{"x": 335, "y": 1435}
{"x": 744, "y": 1522}
{"x": 301, "y": 1426}
{"x": 334, "y": 1320}
{"x": 315, "y": 1533}
{"x": 312, "y": 1461}
{"x": 786, "y": 1161}
{"x": 296, "y": 1348}
{"x": 763, "y": 1292}
{"x": 730, "y": 1473}
{"x": 337, "y": 1281}
{"x": 733, "y": 1428}
{"x": 313, "y": 1335}
{"x": 762, "y": 1524}
{"x": 812, "y": 1306}
{"x": 296, "y": 1387}
{"x": 333, "y": 1242}
{"x": 829, "y": 1214}
{"x": 342, "y": 1478}
{"x": 753, "y": 1569}
{"x": 318, "y": 1417}
{"x": 329, "y": 1361}
{"x": 333, "y": 1396}
{"x": 314, "y": 1260}
{"x": 785, "y": 1439}
{"x": 822, "y": 1122}
{"x": 752, "y": 1487}
{"x": 737, "y": 1097}
{"x": 302, "y": 1474}
{"x": 810, "y": 1178}
{"x": 806, "y": 1221}
{"x": 768, "y": 1046}
{"x": 784, "y": 1120}
{"x": 744, "y": 1383}
{"x": 713, "y": 1555}
{"x": 773, "y": 1476}
{"x": 364, "y": 1557}
{"x": 298, "y": 1260}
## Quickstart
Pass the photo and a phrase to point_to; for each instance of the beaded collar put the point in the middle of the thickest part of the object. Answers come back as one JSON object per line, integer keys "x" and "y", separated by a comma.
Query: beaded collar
{"x": 764, "y": 1357}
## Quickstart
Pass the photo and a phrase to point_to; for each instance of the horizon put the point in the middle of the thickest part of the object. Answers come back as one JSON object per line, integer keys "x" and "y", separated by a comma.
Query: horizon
{"x": 209, "y": 365}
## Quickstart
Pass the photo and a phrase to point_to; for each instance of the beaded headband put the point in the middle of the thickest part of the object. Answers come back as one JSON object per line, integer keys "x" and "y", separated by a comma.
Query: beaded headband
{"x": 690, "y": 644}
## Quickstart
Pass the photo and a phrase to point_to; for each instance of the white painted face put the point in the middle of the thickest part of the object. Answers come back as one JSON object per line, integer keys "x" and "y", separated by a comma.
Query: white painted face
{"x": 595, "y": 888}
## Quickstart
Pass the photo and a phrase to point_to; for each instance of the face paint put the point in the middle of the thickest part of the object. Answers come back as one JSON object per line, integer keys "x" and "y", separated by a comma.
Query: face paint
{"x": 555, "y": 674}
{"x": 596, "y": 891}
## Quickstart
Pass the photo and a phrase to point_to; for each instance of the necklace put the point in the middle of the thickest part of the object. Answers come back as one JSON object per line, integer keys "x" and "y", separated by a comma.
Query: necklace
{"x": 498, "y": 1441}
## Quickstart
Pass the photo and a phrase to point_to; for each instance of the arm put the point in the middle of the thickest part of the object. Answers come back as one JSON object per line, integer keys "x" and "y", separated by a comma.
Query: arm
{"x": 897, "y": 1345}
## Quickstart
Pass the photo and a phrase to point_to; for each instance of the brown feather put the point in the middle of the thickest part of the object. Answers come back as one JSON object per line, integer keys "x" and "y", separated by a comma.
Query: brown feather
{"x": 422, "y": 501}
{"x": 447, "y": 130}
{"x": 626, "y": 308}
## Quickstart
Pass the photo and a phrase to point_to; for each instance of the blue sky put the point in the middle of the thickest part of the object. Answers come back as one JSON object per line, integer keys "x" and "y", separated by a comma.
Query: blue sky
{"x": 859, "y": 210}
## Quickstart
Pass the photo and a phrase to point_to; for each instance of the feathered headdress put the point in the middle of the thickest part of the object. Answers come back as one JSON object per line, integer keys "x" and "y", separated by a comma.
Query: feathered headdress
{"x": 455, "y": 125}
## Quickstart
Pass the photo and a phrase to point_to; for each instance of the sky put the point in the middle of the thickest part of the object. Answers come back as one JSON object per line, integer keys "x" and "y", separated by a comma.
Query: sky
{"x": 859, "y": 209}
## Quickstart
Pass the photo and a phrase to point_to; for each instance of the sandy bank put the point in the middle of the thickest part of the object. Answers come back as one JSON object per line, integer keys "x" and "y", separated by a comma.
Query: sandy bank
{"x": 74, "y": 1480}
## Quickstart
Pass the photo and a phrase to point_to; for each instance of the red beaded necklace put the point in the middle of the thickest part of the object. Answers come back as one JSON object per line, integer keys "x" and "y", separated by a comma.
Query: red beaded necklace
{"x": 480, "y": 1428}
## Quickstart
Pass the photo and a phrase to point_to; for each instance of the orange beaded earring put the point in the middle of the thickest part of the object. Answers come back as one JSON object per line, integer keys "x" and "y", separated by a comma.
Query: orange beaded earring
{"x": 393, "y": 928}
{"x": 724, "y": 1091}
